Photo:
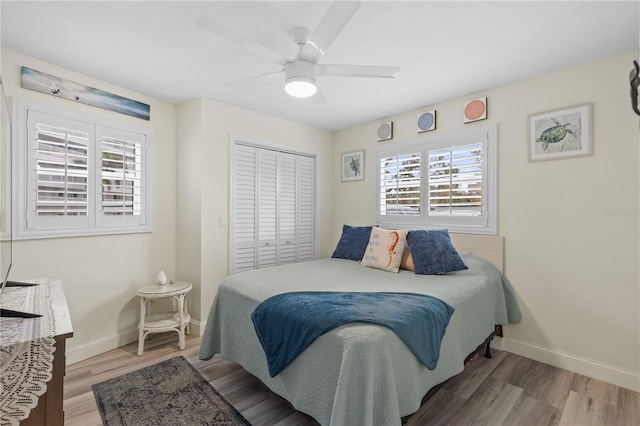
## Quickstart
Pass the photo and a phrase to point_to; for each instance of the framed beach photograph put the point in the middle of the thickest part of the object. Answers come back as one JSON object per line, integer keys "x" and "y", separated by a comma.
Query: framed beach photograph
{"x": 561, "y": 133}
{"x": 76, "y": 92}
{"x": 353, "y": 166}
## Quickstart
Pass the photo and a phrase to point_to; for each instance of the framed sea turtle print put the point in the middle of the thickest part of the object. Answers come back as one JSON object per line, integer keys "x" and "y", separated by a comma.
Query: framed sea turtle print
{"x": 353, "y": 166}
{"x": 560, "y": 133}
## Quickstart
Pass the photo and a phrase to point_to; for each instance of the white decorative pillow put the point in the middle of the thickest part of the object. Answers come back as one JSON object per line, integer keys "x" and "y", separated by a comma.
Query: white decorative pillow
{"x": 385, "y": 249}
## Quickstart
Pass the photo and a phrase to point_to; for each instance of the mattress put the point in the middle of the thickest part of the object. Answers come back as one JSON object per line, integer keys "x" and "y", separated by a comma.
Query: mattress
{"x": 358, "y": 374}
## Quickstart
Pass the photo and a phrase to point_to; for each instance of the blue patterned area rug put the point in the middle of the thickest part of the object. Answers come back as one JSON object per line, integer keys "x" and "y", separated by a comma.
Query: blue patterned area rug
{"x": 169, "y": 393}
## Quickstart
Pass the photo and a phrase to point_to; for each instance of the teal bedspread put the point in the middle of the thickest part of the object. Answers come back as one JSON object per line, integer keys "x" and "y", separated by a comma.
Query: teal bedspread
{"x": 358, "y": 374}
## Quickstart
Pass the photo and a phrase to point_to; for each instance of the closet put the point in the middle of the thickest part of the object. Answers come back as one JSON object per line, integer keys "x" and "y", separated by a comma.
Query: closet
{"x": 272, "y": 207}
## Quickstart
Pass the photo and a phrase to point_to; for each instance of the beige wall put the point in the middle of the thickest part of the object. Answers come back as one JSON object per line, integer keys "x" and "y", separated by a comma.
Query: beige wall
{"x": 203, "y": 162}
{"x": 101, "y": 274}
{"x": 189, "y": 200}
{"x": 571, "y": 260}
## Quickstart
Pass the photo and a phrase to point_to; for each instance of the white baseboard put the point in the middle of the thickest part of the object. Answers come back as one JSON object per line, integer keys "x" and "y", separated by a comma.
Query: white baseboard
{"x": 99, "y": 346}
{"x": 198, "y": 327}
{"x": 496, "y": 343}
{"x": 597, "y": 370}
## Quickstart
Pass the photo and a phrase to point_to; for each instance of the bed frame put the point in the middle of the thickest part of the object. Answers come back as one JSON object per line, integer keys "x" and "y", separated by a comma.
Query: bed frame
{"x": 491, "y": 249}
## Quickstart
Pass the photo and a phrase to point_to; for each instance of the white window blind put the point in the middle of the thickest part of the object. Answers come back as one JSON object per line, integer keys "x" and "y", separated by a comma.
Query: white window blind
{"x": 441, "y": 182}
{"x": 78, "y": 175}
{"x": 272, "y": 207}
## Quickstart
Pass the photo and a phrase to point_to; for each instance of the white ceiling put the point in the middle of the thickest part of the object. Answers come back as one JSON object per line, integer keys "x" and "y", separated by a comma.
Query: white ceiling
{"x": 446, "y": 49}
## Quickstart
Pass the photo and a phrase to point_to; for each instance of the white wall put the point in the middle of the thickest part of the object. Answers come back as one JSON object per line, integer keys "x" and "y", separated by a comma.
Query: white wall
{"x": 573, "y": 264}
{"x": 101, "y": 274}
{"x": 204, "y": 132}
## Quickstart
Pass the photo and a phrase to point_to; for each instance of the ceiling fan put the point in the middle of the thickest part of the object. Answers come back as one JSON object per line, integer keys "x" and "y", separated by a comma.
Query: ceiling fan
{"x": 300, "y": 73}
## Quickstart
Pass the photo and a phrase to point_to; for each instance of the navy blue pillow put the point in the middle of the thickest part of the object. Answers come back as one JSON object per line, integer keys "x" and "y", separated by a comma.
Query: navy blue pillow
{"x": 353, "y": 242}
{"x": 433, "y": 253}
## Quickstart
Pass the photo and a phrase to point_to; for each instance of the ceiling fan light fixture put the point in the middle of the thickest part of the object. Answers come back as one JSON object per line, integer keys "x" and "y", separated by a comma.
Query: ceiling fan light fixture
{"x": 300, "y": 78}
{"x": 300, "y": 87}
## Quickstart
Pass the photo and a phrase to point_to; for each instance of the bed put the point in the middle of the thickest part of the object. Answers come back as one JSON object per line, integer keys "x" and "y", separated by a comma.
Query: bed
{"x": 362, "y": 374}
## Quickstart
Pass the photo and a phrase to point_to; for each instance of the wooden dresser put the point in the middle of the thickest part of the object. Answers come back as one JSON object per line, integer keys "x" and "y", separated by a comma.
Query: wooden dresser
{"x": 49, "y": 410}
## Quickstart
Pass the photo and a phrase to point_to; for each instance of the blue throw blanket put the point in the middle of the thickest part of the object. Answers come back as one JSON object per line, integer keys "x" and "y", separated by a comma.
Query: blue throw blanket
{"x": 288, "y": 323}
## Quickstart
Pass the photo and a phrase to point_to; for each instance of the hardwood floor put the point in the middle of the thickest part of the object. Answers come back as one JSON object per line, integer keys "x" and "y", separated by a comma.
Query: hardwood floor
{"x": 505, "y": 390}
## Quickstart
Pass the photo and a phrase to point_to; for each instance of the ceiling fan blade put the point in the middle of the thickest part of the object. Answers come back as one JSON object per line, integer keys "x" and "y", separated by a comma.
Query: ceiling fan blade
{"x": 333, "y": 22}
{"x": 329, "y": 70}
{"x": 257, "y": 79}
{"x": 235, "y": 38}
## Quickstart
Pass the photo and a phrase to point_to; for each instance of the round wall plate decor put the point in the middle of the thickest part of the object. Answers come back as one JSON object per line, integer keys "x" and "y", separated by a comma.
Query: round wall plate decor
{"x": 426, "y": 121}
{"x": 385, "y": 131}
{"x": 475, "y": 110}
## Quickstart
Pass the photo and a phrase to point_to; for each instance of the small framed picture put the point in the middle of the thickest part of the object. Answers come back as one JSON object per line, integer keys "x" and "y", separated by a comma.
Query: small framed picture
{"x": 353, "y": 166}
{"x": 561, "y": 133}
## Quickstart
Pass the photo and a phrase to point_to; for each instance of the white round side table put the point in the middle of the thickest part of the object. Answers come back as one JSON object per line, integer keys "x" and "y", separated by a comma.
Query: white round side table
{"x": 163, "y": 321}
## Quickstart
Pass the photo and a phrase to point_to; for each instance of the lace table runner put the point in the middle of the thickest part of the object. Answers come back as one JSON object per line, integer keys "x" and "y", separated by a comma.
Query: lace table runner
{"x": 26, "y": 351}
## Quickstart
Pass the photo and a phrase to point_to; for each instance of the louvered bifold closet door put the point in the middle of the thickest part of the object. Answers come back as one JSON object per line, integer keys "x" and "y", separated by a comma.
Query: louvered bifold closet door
{"x": 287, "y": 206}
{"x": 267, "y": 207}
{"x": 245, "y": 208}
{"x": 273, "y": 208}
{"x": 305, "y": 212}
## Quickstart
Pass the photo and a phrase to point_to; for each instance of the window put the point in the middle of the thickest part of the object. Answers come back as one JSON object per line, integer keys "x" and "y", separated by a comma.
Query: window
{"x": 445, "y": 182}
{"x": 78, "y": 175}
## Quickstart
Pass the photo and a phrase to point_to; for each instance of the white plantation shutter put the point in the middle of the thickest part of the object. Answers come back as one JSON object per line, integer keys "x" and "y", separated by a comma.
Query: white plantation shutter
{"x": 399, "y": 188}
{"x": 122, "y": 199}
{"x": 272, "y": 207}
{"x": 76, "y": 175}
{"x": 58, "y": 183}
{"x": 62, "y": 172}
{"x": 442, "y": 182}
{"x": 455, "y": 181}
